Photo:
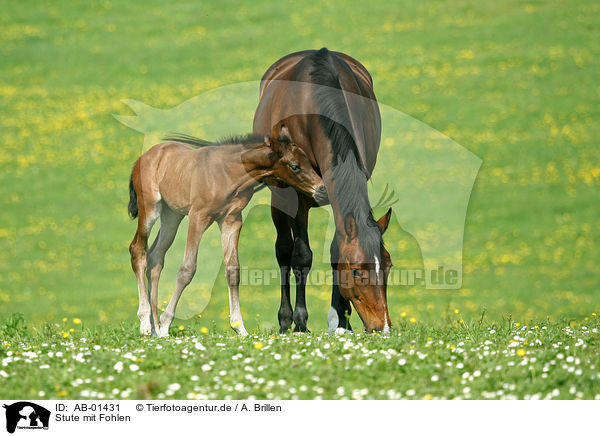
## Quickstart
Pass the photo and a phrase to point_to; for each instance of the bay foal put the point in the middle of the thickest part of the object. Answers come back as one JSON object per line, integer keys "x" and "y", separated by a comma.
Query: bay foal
{"x": 209, "y": 182}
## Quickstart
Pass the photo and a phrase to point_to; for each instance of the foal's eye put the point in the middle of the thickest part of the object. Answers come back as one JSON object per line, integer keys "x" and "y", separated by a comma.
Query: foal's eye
{"x": 295, "y": 168}
{"x": 356, "y": 272}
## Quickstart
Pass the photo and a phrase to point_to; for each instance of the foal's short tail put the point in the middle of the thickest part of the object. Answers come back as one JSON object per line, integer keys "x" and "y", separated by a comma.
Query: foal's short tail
{"x": 133, "y": 204}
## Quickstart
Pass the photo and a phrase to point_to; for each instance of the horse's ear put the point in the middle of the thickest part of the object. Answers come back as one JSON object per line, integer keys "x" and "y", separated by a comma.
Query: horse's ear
{"x": 350, "y": 227}
{"x": 384, "y": 221}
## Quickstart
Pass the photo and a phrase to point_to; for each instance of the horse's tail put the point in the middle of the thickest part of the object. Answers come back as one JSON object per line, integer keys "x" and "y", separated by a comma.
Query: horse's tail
{"x": 133, "y": 203}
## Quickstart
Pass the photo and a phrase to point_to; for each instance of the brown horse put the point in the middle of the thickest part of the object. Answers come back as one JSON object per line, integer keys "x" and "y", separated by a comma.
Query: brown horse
{"x": 211, "y": 183}
{"x": 326, "y": 99}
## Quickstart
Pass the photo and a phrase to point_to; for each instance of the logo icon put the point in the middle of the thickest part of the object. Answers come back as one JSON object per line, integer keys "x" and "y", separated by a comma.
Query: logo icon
{"x": 26, "y": 415}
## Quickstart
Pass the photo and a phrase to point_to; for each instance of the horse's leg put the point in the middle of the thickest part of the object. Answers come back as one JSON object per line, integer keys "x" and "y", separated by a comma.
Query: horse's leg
{"x": 338, "y": 319}
{"x": 197, "y": 225}
{"x": 339, "y": 313}
{"x": 230, "y": 233}
{"x": 283, "y": 250}
{"x": 169, "y": 222}
{"x": 148, "y": 213}
{"x": 301, "y": 262}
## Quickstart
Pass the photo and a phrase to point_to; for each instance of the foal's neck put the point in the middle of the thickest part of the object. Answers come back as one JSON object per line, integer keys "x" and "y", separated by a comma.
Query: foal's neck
{"x": 257, "y": 160}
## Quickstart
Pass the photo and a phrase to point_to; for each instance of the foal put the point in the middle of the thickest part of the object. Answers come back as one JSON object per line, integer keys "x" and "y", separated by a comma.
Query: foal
{"x": 211, "y": 183}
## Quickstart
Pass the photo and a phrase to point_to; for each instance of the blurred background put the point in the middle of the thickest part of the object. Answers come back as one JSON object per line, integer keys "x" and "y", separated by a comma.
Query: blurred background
{"x": 515, "y": 83}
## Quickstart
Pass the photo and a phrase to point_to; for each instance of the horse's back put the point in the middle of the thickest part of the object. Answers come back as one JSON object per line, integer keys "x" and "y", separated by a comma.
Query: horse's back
{"x": 283, "y": 92}
{"x": 280, "y": 70}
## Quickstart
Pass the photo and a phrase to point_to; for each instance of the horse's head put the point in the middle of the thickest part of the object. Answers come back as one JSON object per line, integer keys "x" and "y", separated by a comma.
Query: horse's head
{"x": 291, "y": 166}
{"x": 363, "y": 265}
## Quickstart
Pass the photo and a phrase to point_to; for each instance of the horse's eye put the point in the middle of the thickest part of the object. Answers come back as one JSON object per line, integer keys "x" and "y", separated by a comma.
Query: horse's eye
{"x": 295, "y": 168}
{"x": 356, "y": 272}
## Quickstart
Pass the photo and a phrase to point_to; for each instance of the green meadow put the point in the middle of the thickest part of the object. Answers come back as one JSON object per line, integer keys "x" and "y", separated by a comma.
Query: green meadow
{"x": 513, "y": 82}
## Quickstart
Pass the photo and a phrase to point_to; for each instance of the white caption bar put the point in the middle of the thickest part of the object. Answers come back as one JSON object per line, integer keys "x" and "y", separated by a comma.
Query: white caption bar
{"x": 298, "y": 417}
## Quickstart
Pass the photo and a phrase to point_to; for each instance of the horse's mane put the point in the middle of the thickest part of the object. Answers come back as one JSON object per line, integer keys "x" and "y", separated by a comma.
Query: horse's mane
{"x": 248, "y": 139}
{"x": 348, "y": 171}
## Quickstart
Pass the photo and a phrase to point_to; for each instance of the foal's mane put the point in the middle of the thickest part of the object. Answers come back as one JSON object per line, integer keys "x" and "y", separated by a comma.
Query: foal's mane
{"x": 348, "y": 171}
{"x": 248, "y": 139}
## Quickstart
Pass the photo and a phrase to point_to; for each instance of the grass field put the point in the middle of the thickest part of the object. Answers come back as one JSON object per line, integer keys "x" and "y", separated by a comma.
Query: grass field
{"x": 456, "y": 360}
{"x": 516, "y": 83}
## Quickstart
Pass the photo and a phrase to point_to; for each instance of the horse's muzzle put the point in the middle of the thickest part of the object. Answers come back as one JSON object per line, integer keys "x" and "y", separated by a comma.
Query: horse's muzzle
{"x": 321, "y": 196}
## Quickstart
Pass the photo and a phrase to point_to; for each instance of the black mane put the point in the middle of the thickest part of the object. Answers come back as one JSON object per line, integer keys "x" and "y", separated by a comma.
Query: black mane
{"x": 348, "y": 172}
{"x": 248, "y": 139}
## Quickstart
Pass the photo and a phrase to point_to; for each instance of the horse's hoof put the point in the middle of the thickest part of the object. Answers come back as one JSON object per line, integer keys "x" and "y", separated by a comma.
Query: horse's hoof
{"x": 341, "y": 331}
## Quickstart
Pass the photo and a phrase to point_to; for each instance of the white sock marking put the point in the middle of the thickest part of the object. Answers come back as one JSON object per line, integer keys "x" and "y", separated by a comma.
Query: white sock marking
{"x": 332, "y": 320}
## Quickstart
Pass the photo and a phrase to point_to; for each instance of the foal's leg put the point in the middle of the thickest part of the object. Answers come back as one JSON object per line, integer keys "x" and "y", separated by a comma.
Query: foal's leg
{"x": 169, "y": 222}
{"x": 230, "y": 233}
{"x": 283, "y": 250}
{"x": 197, "y": 225}
{"x": 301, "y": 263}
{"x": 148, "y": 213}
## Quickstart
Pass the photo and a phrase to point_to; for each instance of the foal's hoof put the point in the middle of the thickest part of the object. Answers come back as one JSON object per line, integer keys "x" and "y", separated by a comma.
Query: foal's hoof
{"x": 145, "y": 330}
{"x": 241, "y": 332}
{"x": 163, "y": 333}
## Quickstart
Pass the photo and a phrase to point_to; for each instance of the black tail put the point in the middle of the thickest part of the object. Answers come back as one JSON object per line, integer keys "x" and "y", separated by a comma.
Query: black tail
{"x": 133, "y": 204}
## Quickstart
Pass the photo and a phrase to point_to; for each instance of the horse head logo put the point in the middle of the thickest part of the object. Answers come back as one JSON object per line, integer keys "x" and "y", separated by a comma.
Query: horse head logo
{"x": 27, "y": 415}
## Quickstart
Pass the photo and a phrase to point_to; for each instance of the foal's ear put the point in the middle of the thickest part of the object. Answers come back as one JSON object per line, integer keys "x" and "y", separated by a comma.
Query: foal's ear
{"x": 350, "y": 227}
{"x": 273, "y": 144}
{"x": 284, "y": 133}
{"x": 384, "y": 221}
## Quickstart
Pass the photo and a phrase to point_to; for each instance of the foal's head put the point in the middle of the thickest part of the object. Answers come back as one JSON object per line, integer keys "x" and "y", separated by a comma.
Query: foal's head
{"x": 291, "y": 166}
